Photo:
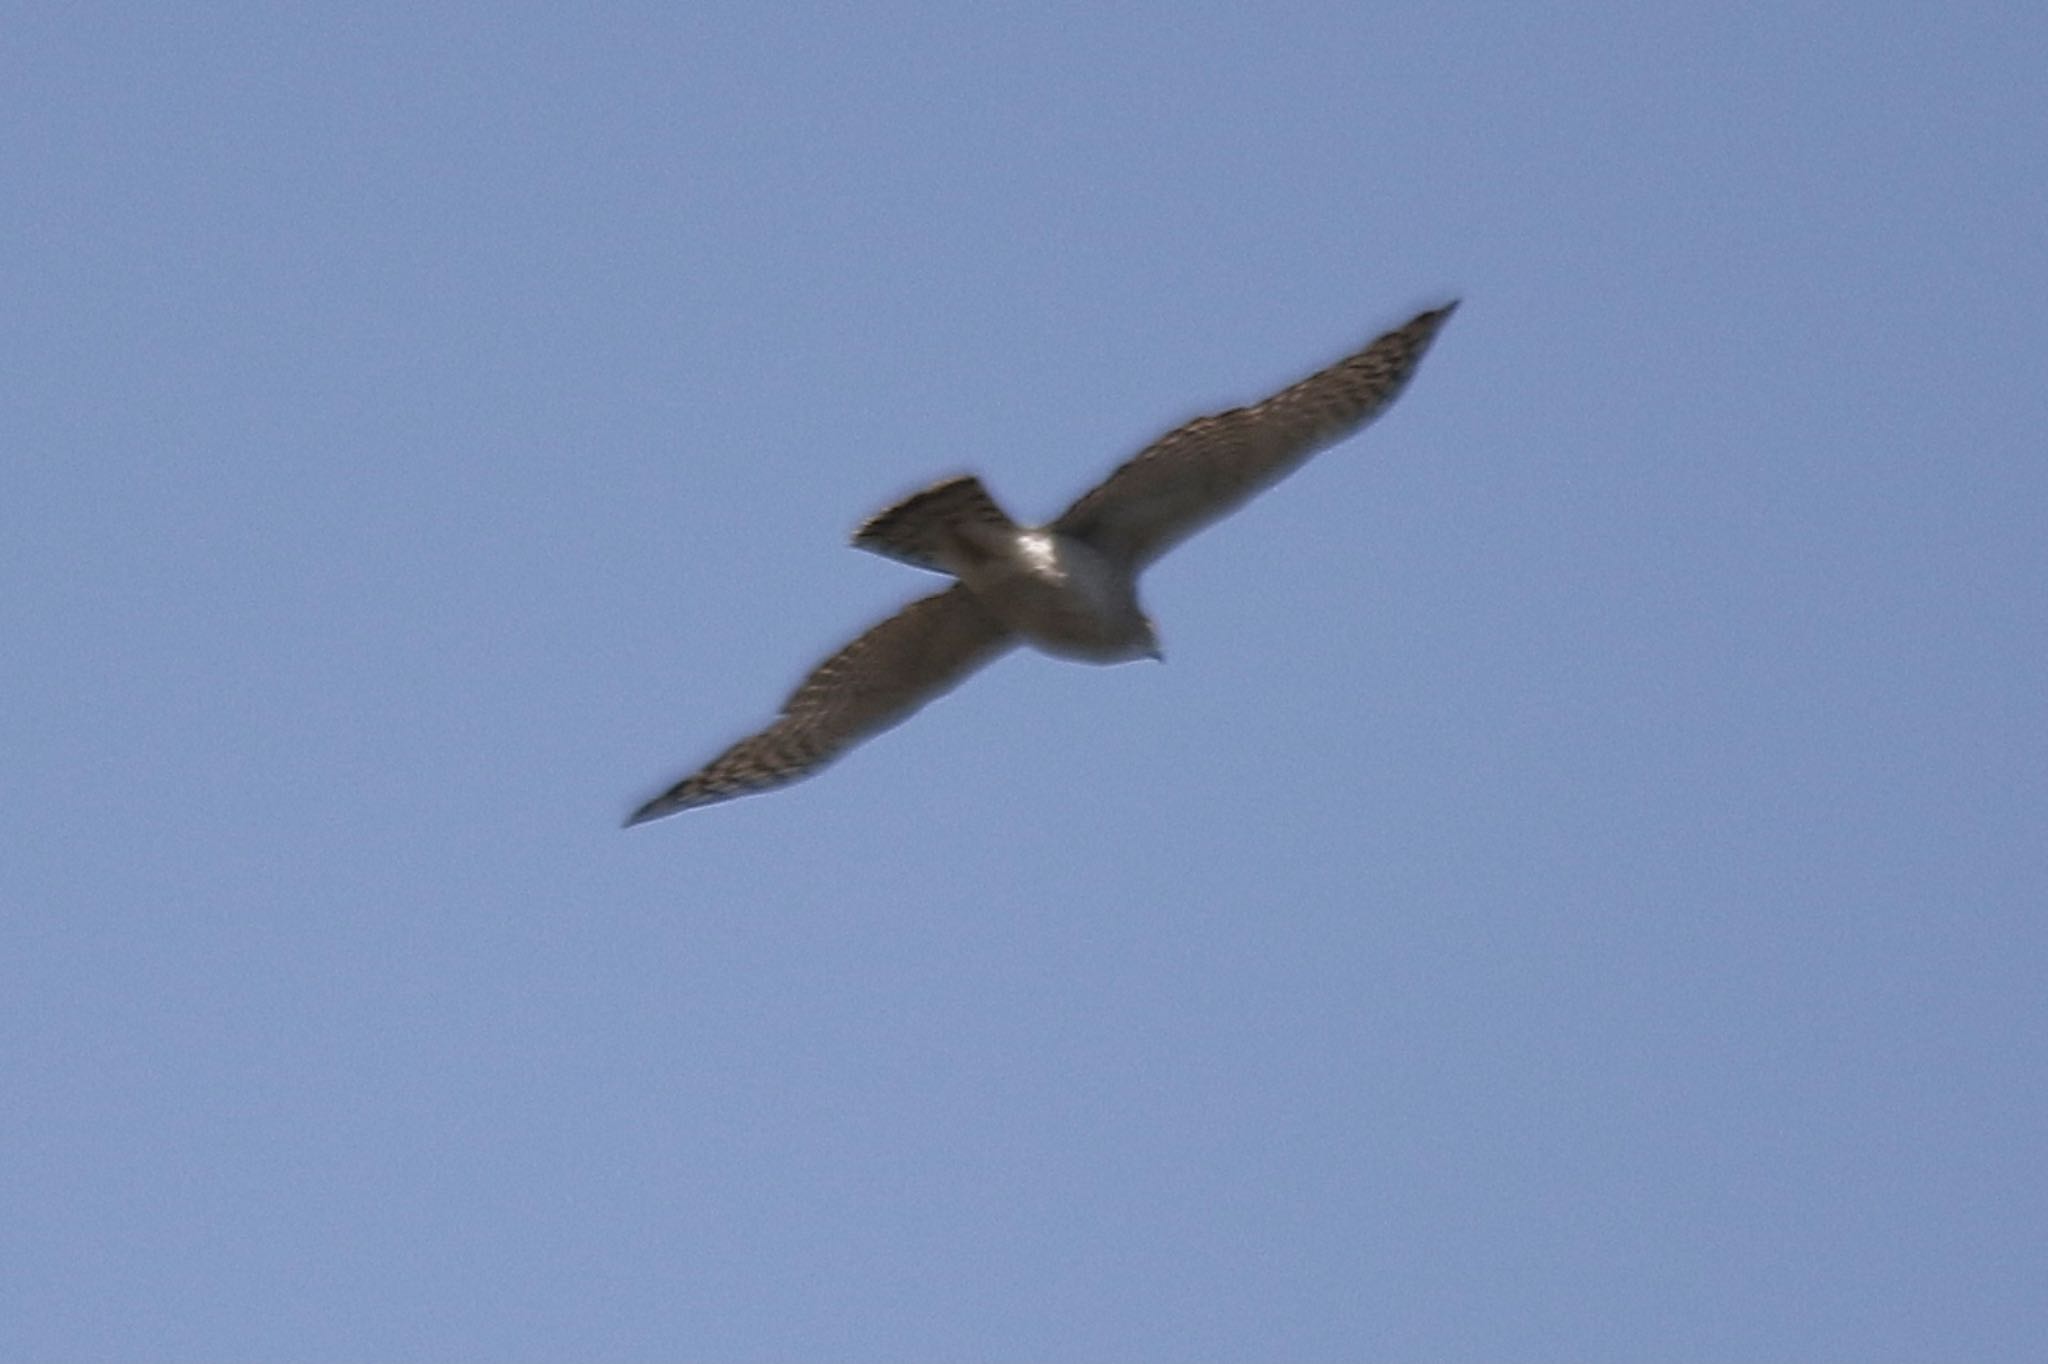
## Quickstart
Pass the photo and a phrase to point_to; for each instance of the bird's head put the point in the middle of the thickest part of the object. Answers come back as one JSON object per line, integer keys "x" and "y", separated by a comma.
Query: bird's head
{"x": 1148, "y": 641}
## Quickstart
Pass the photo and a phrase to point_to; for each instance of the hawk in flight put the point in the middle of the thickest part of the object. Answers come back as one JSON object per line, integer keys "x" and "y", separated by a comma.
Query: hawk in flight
{"x": 1069, "y": 587}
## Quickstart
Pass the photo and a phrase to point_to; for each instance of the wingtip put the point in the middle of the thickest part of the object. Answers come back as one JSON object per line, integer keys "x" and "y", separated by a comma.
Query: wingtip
{"x": 647, "y": 813}
{"x": 1422, "y": 328}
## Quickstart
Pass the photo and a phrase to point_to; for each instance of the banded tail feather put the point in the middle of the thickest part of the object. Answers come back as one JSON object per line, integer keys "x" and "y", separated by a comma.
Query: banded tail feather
{"x": 933, "y": 528}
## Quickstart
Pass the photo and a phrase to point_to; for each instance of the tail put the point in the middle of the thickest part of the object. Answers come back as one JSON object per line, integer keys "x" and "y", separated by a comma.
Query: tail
{"x": 938, "y": 528}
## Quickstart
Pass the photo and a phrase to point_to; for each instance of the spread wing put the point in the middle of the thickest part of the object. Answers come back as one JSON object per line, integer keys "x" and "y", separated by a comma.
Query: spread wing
{"x": 1213, "y": 465}
{"x": 877, "y": 681}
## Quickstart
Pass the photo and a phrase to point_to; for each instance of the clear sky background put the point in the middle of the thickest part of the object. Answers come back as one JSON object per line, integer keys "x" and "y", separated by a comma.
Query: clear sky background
{"x": 1575, "y": 890}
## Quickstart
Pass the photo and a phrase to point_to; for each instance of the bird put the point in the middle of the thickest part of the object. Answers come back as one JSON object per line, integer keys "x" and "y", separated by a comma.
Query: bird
{"x": 1068, "y": 588}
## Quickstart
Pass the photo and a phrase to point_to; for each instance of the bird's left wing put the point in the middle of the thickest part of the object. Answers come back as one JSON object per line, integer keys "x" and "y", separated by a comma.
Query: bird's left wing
{"x": 877, "y": 681}
{"x": 1213, "y": 465}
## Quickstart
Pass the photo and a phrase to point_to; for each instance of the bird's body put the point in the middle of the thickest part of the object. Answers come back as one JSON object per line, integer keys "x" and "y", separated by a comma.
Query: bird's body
{"x": 1068, "y": 599}
{"x": 1059, "y": 595}
{"x": 1068, "y": 588}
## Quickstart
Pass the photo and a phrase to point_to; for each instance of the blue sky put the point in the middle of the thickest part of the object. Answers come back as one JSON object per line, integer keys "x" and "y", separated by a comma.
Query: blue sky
{"x": 1574, "y": 892}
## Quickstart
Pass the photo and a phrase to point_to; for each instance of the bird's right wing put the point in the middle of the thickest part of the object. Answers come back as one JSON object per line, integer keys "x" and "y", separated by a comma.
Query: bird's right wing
{"x": 877, "y": 681}
{"x": 1212, "y": 465}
